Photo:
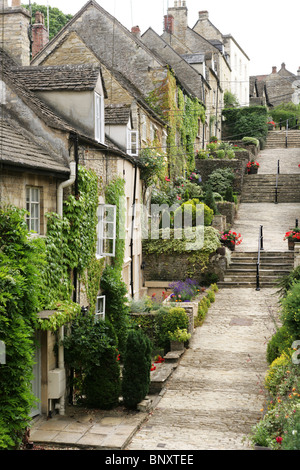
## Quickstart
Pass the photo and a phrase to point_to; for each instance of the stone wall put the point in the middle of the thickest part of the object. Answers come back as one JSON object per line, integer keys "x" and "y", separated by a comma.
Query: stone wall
{"x": 238, "y": 165}
{"x": 179, "y": 267}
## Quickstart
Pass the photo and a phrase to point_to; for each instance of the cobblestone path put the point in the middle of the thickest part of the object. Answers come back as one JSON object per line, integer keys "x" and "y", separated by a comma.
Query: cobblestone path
{"x": 216, "y": 393}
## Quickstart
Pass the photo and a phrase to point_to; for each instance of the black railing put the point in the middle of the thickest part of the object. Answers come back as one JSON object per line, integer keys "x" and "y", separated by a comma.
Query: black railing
{"x": 260, "y": 248}
{"x": 277, "y": 180}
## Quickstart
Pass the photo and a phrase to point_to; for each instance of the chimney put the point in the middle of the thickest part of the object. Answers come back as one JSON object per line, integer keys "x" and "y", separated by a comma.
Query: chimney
{"x": 40, "y": 36}
{"x": 14, "y": 24}
{"x": 179, "y": 15}
{"x": 298, "y": 72}
{"x": 274, "y": 69}
{"x": 203, "y": 15}
{"x": 169, "y": 24}
{"x": 283, "y": 66}
{"x": 136, "y": 31}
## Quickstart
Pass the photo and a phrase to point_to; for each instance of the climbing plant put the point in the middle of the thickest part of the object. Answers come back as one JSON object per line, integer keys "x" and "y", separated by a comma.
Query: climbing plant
{"x": 21, "y": 259}
{"x": 112, "y": 284}
{"x": 182, "y": 114}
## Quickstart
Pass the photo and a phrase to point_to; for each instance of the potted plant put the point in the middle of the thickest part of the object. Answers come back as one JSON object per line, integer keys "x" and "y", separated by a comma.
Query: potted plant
{"x": 178, "y": 338}
{"x": 252, "y": 167}
{"x": 230, "y": 239}
{"x": 292, "y": 236}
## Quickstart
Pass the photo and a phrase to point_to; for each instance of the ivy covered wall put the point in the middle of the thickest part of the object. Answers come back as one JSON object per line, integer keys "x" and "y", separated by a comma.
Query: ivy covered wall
{"x": 182, "y": 113}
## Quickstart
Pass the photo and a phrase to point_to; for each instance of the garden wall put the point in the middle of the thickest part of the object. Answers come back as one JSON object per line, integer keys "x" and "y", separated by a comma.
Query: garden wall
{"x": 179, "y": 267}
{"x": 206, "y": 166}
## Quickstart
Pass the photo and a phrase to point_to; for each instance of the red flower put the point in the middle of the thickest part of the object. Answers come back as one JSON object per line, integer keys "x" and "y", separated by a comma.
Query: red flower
{"x": 279, "y": 439}
{"x": 152, "y": 367}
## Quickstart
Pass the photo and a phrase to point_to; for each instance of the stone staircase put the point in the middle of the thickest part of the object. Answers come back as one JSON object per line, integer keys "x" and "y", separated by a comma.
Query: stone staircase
{"x": 277, "y": 139}
{"x": 260, "y": 188}
{"x": 242, "y": 270}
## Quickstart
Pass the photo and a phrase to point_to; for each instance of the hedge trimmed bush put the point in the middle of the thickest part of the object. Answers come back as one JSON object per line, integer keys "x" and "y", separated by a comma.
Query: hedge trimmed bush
{"x": 136, "y": 371}
{"x": 91, "y": 350}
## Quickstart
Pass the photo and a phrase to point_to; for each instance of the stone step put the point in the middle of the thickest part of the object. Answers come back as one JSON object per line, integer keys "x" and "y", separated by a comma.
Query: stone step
{"x": 160, "y": 376}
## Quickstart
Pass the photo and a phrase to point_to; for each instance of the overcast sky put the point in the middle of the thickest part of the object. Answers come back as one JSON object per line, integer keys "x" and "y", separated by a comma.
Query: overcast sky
{"x": 267, "y": 31}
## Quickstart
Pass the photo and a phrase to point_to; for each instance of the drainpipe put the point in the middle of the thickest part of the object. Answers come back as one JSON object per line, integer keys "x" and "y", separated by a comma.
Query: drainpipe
{"x": 61, "y": 187}
{"x": 132, "y": 230}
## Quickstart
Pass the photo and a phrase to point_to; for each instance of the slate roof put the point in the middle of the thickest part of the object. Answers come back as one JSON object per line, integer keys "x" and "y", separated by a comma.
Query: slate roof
{"x": 33, "y": 102}
{"x": 17, "y": 148}
{"x": 117, "y": 115}
{"x": 67, "y": 77}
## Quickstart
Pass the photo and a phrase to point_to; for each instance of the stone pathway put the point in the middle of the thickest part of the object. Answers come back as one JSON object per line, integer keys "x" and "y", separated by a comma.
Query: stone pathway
{"x": 289, "y": 161}
{"x": 216, "y": 393}
{"x": 276, "y": 220}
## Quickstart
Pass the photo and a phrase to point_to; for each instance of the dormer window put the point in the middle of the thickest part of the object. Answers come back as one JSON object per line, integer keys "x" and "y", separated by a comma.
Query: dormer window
{"x": 99, "y": 119}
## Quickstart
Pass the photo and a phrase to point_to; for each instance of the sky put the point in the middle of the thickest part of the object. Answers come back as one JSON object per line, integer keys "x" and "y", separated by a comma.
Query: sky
{"x": 267, "y": 33}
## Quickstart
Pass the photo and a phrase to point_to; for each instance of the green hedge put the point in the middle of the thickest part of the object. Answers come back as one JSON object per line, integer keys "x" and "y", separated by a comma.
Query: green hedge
{"x": 246, "y": 122}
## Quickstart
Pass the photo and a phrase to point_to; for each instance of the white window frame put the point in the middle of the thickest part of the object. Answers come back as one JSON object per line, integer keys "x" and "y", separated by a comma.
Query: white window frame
{"x": 99, "y": 118}
{"x": 100, "y": 313}
{"x": 33, "y": 219}
{"x": 132, "y": 143}
{"x": 105, "y": 212}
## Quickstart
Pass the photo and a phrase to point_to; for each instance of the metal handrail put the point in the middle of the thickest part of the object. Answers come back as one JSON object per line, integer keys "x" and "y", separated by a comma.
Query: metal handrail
{"x": 277, "y": 179}
{"x": 260, "y": 248}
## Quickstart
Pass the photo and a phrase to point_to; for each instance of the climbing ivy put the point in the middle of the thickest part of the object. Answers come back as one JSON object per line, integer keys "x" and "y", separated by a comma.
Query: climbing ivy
{"x": 71, "y": 244}
{"x": 182, "y": 114}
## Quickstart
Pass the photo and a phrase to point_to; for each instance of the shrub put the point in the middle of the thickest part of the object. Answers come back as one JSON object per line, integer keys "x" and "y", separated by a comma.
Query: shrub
{"x": 20, "y": 265}
{"x": 117, "y": 310}
{"x": 291, "y": 437}
{"x": 286, "y": 282}
{"x": 250, "y": 140}
{"x": 174, "y": 318}
{"x": 190, "y": 207}
{"x": 211, "y": 296}
{"x": 291, "y": 311}
{"x": 91, "y": 350}
{"x": 281, "y": 341}
{"x": 136, "y": 372}
{"x": 220, "y": 180}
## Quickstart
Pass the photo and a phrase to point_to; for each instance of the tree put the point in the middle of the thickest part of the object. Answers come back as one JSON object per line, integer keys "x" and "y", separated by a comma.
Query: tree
{"x": 57, "y": 19}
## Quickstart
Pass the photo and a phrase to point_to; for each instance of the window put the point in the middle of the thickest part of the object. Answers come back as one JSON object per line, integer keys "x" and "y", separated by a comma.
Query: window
{"x": 100, "y": 308}
{"x": 33, "y": 207}
{"x": 132, "y": 142}
{"x": 106, "y": 230}
{"x": 99, "y": 118}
